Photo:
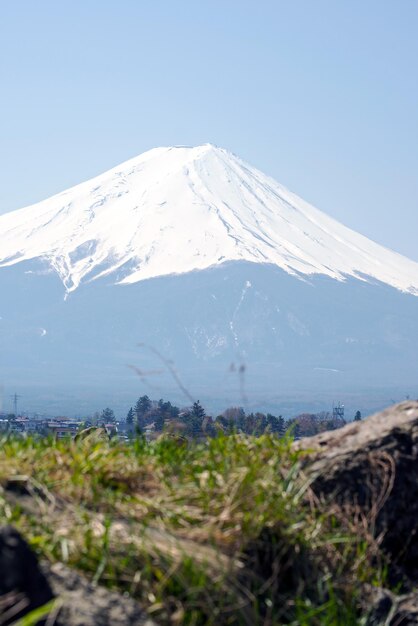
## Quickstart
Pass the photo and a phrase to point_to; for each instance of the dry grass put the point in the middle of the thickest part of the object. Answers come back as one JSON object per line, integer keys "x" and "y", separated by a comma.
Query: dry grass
{"x": 226, "y": 532}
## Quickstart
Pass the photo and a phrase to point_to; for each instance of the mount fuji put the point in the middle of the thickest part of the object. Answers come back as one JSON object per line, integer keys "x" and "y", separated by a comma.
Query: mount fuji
{"x": 188, "y": 271}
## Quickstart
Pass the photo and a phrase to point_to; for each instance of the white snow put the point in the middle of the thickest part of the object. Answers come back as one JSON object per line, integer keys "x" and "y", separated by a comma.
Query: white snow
{"x": 246, "y": 287}
{"x": 174, "y": 210}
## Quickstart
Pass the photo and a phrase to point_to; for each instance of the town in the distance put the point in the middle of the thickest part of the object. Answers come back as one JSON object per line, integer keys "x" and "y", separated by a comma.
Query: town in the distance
{"x": 153, "y": 418}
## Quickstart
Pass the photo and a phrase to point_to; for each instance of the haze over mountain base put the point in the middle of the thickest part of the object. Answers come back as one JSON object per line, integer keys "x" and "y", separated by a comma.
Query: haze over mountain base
{"x": 237, "y": 334}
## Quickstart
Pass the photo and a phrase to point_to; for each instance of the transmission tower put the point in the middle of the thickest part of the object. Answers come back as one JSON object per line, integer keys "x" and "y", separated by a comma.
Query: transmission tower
{"x": 338, "y": 411}
{"x": 15, "y": 398}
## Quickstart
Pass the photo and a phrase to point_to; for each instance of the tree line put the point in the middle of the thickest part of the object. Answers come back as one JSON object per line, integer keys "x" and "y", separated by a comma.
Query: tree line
{"x": 156, "y": 416}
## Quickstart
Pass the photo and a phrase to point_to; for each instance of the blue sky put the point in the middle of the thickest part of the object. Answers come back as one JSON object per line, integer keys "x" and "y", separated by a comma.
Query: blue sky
{"x": 320, "y": 94}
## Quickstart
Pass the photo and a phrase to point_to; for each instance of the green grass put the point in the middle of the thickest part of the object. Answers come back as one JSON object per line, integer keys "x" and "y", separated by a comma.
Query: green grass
{"x": 223, "y": 532}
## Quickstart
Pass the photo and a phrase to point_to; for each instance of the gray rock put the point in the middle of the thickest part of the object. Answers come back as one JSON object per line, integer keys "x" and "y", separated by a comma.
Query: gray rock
{"x": 23, "y": 586}
{"x": 85, "y": 604}
{"x": 93, "y": 433}
{"x": 373, "y": 465}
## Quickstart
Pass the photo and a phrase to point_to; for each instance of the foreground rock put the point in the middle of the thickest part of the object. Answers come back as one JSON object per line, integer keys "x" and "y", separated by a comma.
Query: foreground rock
{"x": 373, "y": 466}
{"x": 25, "y": 586}
{"x": 84, "y": 604}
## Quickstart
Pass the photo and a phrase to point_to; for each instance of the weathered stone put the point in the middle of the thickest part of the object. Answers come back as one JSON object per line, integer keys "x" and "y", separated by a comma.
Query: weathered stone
{"x": 85, "y": 604}
{"x": 23, "y": 586}
{"x": 92, "y": 433}
{"x": 373, "y": 465}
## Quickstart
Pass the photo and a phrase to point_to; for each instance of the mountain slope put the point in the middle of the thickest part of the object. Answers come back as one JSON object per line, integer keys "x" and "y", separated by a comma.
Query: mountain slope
{"x": 174, "y": 210}
{"x": 236, "y": 334}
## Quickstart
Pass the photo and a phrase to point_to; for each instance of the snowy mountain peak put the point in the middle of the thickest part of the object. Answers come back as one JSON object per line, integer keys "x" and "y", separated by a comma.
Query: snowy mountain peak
{"x": 178, "y": 209}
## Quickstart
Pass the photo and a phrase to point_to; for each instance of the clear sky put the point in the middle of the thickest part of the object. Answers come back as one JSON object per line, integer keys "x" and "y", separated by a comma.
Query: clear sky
{"x": 320, "y": 94}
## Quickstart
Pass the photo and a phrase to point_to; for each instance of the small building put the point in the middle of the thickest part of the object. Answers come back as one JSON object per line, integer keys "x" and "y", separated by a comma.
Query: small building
{"x": 61, "y": 430}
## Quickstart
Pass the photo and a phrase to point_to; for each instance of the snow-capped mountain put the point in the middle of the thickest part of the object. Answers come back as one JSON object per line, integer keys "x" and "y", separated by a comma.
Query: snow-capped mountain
{"x": 174, "y": 210}
{"x": 187, "y": 264}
